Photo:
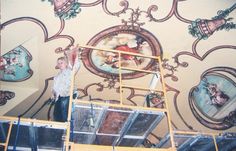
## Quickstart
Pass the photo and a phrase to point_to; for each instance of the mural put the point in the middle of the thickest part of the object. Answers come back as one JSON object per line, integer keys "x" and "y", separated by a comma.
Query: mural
{"x": 107, "y": 63}
{"x": 211, "y": 101}
{"x": 215, "y": 97}
{"x": 14, "y": 65}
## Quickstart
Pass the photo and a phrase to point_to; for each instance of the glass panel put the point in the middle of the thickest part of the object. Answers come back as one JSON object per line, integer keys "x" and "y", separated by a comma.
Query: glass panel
{"x": 2, "y": 147}
{"x": 164, "y": 142}
{"x": 113, "y": 122}
{"x": 85, "y": 119}
{"x": 226, "y": 143}
{"x": 23, "y": 136}
{"x": 194, "y": 142}
{"x": 3, "y": 131}
{"x": 50, "y": 138}
{"x": 36, "y": 137}
{"x": 141, "y": 124}
{"x": 182, "y": 140}
{"x": 105, "y": 140}
{"x": 112, "y": 125}
{"x": 129, "y": 142}
{"x": 83, "y": 138}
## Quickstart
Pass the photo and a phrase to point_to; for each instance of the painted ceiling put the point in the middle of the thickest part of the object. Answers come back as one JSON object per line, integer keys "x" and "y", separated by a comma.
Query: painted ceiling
{"x": 194, "y": 39}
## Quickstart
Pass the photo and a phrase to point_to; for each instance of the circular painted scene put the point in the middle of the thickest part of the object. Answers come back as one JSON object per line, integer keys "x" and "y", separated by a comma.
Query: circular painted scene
{"x": 104, "y": 63}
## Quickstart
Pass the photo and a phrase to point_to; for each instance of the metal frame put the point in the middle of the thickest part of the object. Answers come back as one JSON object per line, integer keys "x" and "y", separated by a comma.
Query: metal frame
{"x": 136, "y": 110}
{"x": 126, "y": 126}
{"x": 31, "y": 124}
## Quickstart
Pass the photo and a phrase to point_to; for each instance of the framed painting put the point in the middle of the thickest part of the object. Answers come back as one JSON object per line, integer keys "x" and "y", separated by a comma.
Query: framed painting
{"x": 105, "y": 63}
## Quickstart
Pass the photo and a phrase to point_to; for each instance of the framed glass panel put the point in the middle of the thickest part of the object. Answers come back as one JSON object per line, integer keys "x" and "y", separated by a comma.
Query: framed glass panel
{"x": 31, "y": 137}
{"x": 2, "y": 147}
{"x": 226, "y": 143}
{"x": 49, "y": 138}
{"x": 85, "y": 118}
{"x": 105, "y": 140}
{"x": 141, "y": 124}
{"x": 4, "y": 126}
{"x": 23, "y": 136}
{"x": 195, "y": 142}
{"x": 83, "y": 138}
{"x": 129, "y": 142}
{"x": 113, "y": 122}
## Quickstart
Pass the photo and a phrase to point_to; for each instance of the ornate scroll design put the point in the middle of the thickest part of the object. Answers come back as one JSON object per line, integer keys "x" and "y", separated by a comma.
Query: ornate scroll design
{"x": 176, "y": 93}
{"x": 230, "y": 119}
{"x": 203, "y": 28}
{"x": 195, "y": 54}
{"x": 44, "y": 29}
{"x": 109, "y": 84}
{"x": 123, "y": 3}
{"x": 5, "y": 95}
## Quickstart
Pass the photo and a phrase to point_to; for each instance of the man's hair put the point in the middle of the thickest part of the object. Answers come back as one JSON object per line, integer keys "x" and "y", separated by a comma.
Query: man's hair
{"x": 64, "y": 58}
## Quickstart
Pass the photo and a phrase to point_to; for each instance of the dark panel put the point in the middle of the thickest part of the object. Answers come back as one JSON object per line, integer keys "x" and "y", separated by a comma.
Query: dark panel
{"x": 23, "y": 136}
{"x": 3, "y": 131}
{"x": 50, "y": 138}
{"x": 141, "y": 124}
{"x": 105, "y": 140}
{"x": 226, "y": 143}
{"x": 83, "y": 138}
{"x": 129, "y": 142}
{"x": 203, "y": 143}
{"x": 2, "y": 147}
{"x": 36, "y": 137}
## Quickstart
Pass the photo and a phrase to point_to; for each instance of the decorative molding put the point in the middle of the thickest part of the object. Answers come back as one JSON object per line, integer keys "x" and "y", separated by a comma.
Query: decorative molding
{"x": 5, "y": 96}
{"x": 212, "y": 101}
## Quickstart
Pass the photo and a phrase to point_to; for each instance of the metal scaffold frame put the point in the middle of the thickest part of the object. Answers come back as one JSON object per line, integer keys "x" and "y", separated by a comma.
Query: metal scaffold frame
{"x": 68, "y": 145}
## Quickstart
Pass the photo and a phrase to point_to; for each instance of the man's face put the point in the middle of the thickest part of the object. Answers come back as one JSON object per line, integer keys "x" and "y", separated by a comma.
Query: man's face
{"x": 61, "y": 64}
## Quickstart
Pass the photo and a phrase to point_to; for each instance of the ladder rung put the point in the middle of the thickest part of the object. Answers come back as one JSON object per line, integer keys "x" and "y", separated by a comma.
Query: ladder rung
{"x": 147, "y": 71}
{"x": 141, "y": 88}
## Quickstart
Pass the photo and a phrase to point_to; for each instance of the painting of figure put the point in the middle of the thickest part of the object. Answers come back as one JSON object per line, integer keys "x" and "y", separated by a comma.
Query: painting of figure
{"x": 218, "y": 97}
{"x": 15, "y": 66}
{"x": 109, "y": 61}
{"x": 215, "y": 96}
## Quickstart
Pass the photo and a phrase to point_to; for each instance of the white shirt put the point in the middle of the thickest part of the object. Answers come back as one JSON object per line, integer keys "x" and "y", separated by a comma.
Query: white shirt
{"x": 62, "y": 81}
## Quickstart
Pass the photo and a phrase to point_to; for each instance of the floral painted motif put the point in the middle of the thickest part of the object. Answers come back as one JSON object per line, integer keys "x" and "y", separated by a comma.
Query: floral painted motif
{"x": 203, "y": 28}
{"x": 14, "y": 65}
{"x": 65, "y": 9}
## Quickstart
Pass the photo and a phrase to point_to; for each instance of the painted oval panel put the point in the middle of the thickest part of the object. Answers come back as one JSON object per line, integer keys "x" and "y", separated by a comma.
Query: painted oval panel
{"x": 15, "y": 66}
{"x": 215, "y": 96}
{"x": 105, "y": 63}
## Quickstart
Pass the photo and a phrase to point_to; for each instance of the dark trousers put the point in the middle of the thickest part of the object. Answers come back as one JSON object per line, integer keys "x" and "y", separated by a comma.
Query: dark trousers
{"x": 61, "y": 109}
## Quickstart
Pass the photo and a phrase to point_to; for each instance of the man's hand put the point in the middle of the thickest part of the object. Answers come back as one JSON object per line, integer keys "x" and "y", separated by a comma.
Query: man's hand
{"x": 72, "y": 55}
